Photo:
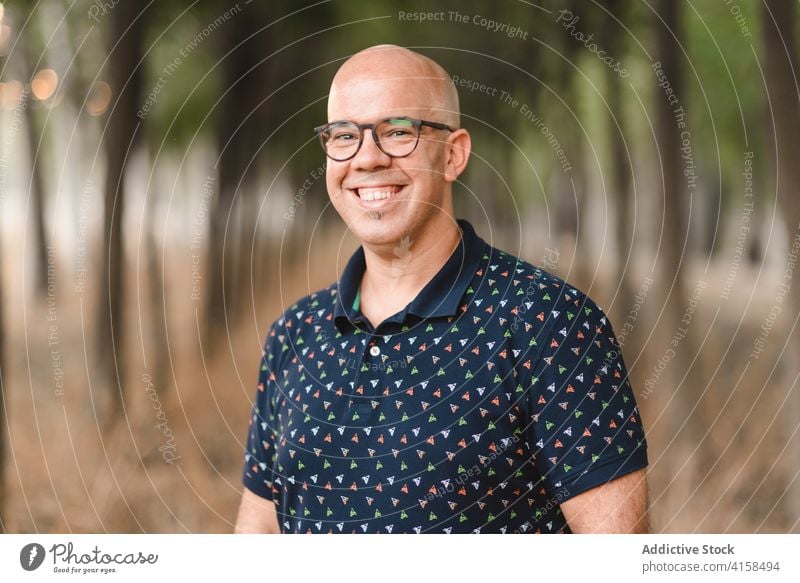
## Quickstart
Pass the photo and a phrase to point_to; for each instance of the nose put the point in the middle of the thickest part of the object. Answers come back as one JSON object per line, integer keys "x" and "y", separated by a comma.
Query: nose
{"x": 370, "y": 156}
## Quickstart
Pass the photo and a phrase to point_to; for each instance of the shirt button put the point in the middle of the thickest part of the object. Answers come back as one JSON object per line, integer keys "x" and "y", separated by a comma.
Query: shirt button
{"x": 374, "y": 350}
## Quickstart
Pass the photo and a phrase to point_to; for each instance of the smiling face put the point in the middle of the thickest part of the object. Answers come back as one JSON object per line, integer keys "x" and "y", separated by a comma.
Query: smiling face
{"x": 383, "y": 199}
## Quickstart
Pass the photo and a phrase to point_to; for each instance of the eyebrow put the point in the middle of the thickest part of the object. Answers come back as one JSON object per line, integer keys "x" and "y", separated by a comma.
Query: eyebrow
{"x": 400, "y": 118}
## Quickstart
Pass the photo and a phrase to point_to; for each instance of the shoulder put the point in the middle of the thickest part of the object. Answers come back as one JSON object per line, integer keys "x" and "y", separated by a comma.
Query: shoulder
{"x": 318, "y": 303}
{"x": 533, "y": 294}
{"x": 308, "y": 313}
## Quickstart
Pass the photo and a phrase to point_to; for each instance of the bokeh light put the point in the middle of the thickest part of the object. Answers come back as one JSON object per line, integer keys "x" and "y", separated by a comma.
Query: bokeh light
{"x": 99, "y": 98}
{"x": 44, "y": 84}
{"x": 10, "y": 94}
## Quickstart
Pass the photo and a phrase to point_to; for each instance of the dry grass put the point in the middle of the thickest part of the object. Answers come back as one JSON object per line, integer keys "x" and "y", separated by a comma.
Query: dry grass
{"x": 65, "y": 475}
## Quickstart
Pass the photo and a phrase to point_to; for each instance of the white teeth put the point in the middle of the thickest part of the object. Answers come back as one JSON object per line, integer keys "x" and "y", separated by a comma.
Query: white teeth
{"x": 366, "y": 194}
{"x": 373, "y": 195}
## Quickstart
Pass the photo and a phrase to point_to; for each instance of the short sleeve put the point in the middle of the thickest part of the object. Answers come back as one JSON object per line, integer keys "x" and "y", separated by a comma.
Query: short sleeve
{"x": 260, "y": 455}
{"x": 585, "y": 423}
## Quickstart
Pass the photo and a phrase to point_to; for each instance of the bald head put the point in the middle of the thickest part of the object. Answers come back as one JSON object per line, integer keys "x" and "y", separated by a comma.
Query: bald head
{"x": 425, "y": 85}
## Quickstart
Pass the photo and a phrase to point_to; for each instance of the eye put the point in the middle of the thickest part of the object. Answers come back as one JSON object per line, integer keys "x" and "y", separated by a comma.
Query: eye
{"x": 397, "y": 129}
{"x": 343, "y": 136}
{"x": 342, "y": 133}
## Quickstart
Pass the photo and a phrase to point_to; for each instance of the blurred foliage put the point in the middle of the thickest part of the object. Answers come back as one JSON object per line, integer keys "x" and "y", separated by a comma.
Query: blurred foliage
{"x": 300, "y": 44}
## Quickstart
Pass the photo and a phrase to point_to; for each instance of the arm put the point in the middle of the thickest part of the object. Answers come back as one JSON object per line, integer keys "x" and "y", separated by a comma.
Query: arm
{"x": 256, "y": 515}
{"x": 619, "y": 506}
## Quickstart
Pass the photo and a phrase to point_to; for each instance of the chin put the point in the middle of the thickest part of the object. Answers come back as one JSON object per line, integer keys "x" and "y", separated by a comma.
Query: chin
{"x": 373, "y": 231}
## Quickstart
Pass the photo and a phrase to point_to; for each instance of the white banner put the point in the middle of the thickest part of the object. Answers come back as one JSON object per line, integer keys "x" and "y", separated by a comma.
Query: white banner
{"x": 401, "y": 559}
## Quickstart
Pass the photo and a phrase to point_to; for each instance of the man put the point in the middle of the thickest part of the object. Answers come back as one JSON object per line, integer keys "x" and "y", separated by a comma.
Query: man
{"x": 441, "y": 385}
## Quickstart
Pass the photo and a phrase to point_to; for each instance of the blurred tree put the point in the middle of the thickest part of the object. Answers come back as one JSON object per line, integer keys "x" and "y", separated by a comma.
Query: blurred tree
{"x": 783, "y": 126}
{"x": 3, "y": 303}
{"x": 3, "y": 528}
{"x": 125, "y": 56}
{"x": 31, "y": 61}
{"x": 158, "y": 292}
{"x": 238, "y": 130}
{"x": 726, "y": 107}
{"x": 611, "y": 37}
{"x": 569, "y": 189}
{"x": 783, "y": 115}
{"x": 178, "y": 117}
{"x": 666, "y": 21}
{"x": 27, "y": 62}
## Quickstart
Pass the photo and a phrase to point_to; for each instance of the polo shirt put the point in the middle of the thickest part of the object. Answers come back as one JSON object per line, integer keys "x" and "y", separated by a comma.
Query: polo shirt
{"x": 495, "y": 395}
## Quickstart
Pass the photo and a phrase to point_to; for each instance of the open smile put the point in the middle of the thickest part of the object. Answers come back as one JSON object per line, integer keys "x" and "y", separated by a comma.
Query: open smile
{"x": 373, "y": 196}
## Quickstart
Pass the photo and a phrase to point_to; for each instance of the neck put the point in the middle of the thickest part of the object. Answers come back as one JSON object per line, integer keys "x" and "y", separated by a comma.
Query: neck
{"x": 394, "y": 276}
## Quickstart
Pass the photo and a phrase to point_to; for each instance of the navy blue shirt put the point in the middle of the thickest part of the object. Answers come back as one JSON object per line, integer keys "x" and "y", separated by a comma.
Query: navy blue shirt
{"x": 495, "y": 395}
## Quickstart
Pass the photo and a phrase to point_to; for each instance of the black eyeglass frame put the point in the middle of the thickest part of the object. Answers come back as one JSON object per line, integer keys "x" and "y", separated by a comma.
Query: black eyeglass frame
{"x": 417, "y": 123}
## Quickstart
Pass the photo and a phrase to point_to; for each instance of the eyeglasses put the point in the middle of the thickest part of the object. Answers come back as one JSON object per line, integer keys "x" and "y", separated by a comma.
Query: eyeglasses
{"x": 395, "y": 136}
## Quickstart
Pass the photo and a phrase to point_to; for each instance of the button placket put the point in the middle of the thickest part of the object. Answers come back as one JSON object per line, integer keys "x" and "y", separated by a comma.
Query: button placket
{"x": 376, "y": 379}
{"x": 360, "y": 403}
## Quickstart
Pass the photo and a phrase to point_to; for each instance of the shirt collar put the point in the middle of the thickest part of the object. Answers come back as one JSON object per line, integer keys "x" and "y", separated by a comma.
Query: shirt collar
{"x": 441, "y": 296}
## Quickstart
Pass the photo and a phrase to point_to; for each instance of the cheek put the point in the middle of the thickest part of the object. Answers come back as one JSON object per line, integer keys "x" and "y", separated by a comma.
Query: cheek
{"x": 433, "y": 168}
{"x": 333, "y": 180}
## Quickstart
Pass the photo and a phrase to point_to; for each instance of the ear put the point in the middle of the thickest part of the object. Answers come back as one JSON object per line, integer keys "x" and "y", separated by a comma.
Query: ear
{"x": 459, "y": 145}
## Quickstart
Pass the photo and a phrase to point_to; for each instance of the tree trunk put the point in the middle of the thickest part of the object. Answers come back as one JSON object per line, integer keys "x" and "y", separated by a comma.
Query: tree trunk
{"x": 673, "y": 233}
{"x": 570, "y": 183}
{"x": 127, "y": 33}
{"x": 783, "y": 123}
{"x": 157, "y": 290}
{"x": 618, "y": 177}
{"x": 237, "y": 142}
{"x": 35, "y": 141}
{"x": 3, "y": 377}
